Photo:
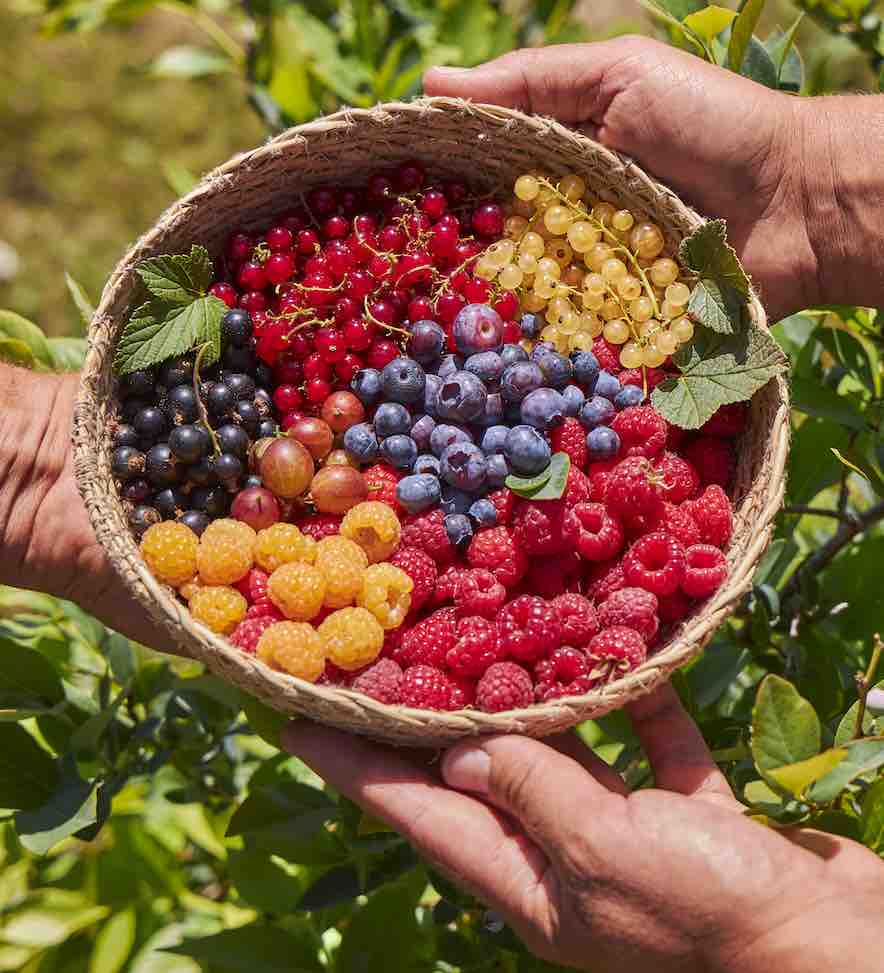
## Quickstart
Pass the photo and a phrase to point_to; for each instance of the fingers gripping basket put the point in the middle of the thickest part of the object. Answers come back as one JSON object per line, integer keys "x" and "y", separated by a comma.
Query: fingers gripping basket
{"x": 486, "y": 145}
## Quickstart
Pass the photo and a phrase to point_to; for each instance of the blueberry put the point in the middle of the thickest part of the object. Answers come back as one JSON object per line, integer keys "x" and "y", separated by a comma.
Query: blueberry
{"x": 202, "y": 474}
{"x": 444, "y": 435}
{"x": 126, "y": 435}
{"x": 459, "y": 529}
{"x": 557, "y": 370}
{"x": 493, "y": 439}
{"x": 140, "y": 383}
{"x": 512, "y": 354}
{"x": 233, "y": 439}
{"x": 150, "y": 422}
{"x": 178, "y": 371}
{"x": 242, "y": 385}
{"x": 196, "y": 520}
{"x": 403, "y": 380}
{"x": 449, "y": 365}
{"x": 248, "y": 416}
{"x": 399, "y": 451}
{"x": 189, "y": 443}
{"x": 127, "y": 462}
{"x": 418, "y": 492}
{"x": 484, "y": 513}
{"x": 487, "y": 365}
{"x": 421, "y": 431}
{"x": 366, "y": 385}
{"x": 181, "y": 405}
{"x": 628, "y": 395}
{"x": 462, "y": 397}
{"x": 228, "y": 468}
{"x": 541, "y": 349}
{"x": 427, "y": 464}
{"x": 526, "y": 451}
{"x": 236, "y": 326}
{"x": 431, "y": 394}
{"x": 597, "y": 411}
{"x": 477, "y": 327}
{"x": 427, "y": 342}
{"x": 607, "y": 385}
{"x": 531, "y": 325}
{"x": 574, "y": 399}
{"x": 498, "y": 471}
{"x": 171, "y": 503}
{"x": 543, "y": 409}
{"x": 464, "y": 466}
{"x": 360, "y": 441}
{"x": 161, "y": 465}
{"x": 266, "y": 429}
{"x": 240, "y": 360}
{"x": 391, "y": 419}
{"x": 137, "y": 491}
{"x": 219, "y": 400}
{"x": 455, "y": 501}
{"x": 143, "y": 517}
{"x": 602, "y": 443}
{"x": 586, "y": 368}
{"x": 519, "y": 379}
{"x": 493, "y": 414}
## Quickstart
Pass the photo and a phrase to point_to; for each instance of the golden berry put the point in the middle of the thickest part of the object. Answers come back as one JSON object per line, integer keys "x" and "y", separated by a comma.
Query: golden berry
{"x": 374, "y": 527}
{"x": 351, "y": 638}
{"x": 170, "y": 551}
{"x": 218, "y": 607}
{"x": 281, "y": 544}
{"x": 226, "y": 552}
{"x": 293, "y": 647}
{"x": 297, "y": 589}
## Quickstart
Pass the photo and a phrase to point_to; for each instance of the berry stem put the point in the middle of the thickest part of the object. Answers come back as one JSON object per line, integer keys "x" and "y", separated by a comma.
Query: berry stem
{"x": 864, "y": 683}
{"x": 204, "y": 415}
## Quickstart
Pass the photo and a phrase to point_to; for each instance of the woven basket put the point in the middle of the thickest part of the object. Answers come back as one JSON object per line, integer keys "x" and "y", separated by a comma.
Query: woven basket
{"x": 485, "y": 145}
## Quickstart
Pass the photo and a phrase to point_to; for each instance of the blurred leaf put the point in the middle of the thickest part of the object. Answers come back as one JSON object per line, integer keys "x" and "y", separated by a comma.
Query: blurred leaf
{"x": 337, "y": 885}
{"x": 866, "y": 470}
{"x": 27, "y": 679}
{"x": 679, "y": 9}
{"x": 49, "y": 918}
{"x": 114, "y": 943}
{"x": 367, "y": 943}
{"x": 18, "y": 329}
{"x": 857, "y": 354}
{"x": 742, "y": 31}
{"x": 812, "y": 466}
{"x": 263, "y": 882}
{"x": 180, "y": 179}
{"x": 71, "y": 808}
{"x": 68, "y": 354}
{"x": 266, "y": 722}
{"x": 797, "y": 777}
{"x": 710, "y": 21}
{"x": 467, "y": 24}
{"x": 80, "y": 299}
{"x": 187, "y": 61}
{"x": 258, "y": 946}
{"x": 785, "y": 728}
{"x": 872, "y": 725}
{"x": 290, "y": 809}
{"x": 16, "y": 353}
{"x": 863, "y": 756}
{"x": 873, "y": 817}
{"x": 28, "y": 774}
{"x": 779, "y": 43}
{"x": 758, "y": 64}
{"x": 815, "y": 399}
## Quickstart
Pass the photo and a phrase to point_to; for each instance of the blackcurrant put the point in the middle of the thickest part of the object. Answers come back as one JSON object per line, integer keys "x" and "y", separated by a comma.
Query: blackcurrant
{"x": 219, "y": 400}
{"x": 233, "y": 439}
{"x": 264, "y": 375}
{"x": 248, "y": 416}
{"x": 240, "y": 360}
{"x": 143, "y": 517}
{"x": 189, "y": 443}
{"x": 215, "y": 501}
{"x": 196, "y": 520}
{"x": 178, "y": 371}
{"x": 131, "y": 407}
{"x": 126, "y": 435}
{"x": 202, "y": 474}
{"x": 149, "y": 422}
{"x": 266, "y": 428}
{"x": 140, "y": 383}
{"x": 228, "y": 468}
{"x": 236, "y": 326}
{"x": 181, "y": 405}
{"x": 242, "y": 386}
{"x": 127, "y": 462}
{"x": 161, "y": 466}
{"x": 137, "y": 491}
{"x": 170, "y": 503}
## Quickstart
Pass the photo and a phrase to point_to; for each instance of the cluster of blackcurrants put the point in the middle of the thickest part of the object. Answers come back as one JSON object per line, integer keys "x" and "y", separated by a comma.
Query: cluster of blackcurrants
{"x": 167, "y": 463}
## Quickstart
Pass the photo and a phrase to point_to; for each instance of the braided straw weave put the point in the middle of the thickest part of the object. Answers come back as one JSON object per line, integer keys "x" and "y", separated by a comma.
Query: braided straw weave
{"x": 487, "y": 146}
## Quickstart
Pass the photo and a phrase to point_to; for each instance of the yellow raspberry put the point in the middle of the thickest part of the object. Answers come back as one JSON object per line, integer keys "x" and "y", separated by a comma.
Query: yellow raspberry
{"x": 342, "y": 563}
{"x": 386, "y": 593}
{"x": 226, "y": 552}
{"x": 187, "y": 591}
{"x": 375, "y": 528}
{"x": 352, "y": 637}
{"x": 297, "y": 590}
{"x": 219, "y": 608}
{"x": 170, "y": 551}
{"x": 282, "y": 544}
{"x": 340, "y": 548}
{"x": 293, "y": 647}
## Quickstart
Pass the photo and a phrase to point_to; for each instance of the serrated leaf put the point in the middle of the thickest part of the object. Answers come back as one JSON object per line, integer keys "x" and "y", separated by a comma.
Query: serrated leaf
{"x": 717, "y": 370}
{"x": 744, "y": 27}
{"x": 863, "y": 756}
{"x": 157, "y": 331}
{"x": 785, "y": 727}
{"x": 717, "y": 307}
{"x": 177, "y": 278}
{"x": 707, "y": 252}
{"x": 796, "y": 778}
{"x": 557, "y": 481}
{"x": 710, "y": 21}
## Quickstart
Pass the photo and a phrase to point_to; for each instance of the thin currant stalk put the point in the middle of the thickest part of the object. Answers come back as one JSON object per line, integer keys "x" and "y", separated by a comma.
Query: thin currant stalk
{"x": 204, "y": 415}
{"x": 864, "y": 682}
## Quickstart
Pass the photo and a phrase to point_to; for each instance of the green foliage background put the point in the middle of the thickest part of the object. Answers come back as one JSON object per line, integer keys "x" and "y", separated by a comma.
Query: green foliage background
{"x": 152, "y": 825}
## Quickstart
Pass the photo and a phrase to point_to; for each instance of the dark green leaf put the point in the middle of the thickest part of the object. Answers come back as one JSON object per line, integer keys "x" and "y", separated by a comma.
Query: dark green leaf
{"x": 863, "y": 757}
{"x": 816, "y": 399}
{"x": 873, "y": 817}
{"x": 758, "y": 64}
{"x": 71, "y": 808}
{"x": 707, "y": 252}
{"x": 710, "y": 21}
{"x": 857, "y": 354}
{"x": 18, "y": 329}
{"x": 717, "y": 307}
{"x": 27, "y": 678}
{"x": 785, "y": 728}
{"x": 555, "y": 485}
{"x": 177, "y": 278}
{"x": 812, "y": 466}
{"x": 367, "y": 943}
{"x": 715, "y": 670}
{"x": 266, "y": 722}
{"x": 335, "y": 886}
{"x": 742, "y": 31}
{"x": 28, "y": 774}
{"x": 717, "y": 370}
{"x": 258, "y": 946}
{"x": 290, "y": 809}
{"x": 263, "y": 882}
{"x": 187, "y": 61}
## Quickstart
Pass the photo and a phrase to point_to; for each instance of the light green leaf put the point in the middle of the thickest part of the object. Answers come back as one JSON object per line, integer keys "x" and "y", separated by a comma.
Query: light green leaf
{"x": 17, "y": 328}
{"x": 15, "y": 958}
{"x": 180, "y": 179}
{"x": 710, "y": 21}
{"x": 717, "y": 370}
{"x": 796, "y": 778}
{"x": 717, "y": 307}
{"x": 257, "y": 946}
{"x": 779, "y": 44}
{"x": 873, "y": 817}
{"x": 114, "y": 943}
{"x": 28, "y": 774}
{"x": 760, "y": 795}
{"x": 742, "y": 31}
{"x": 707, "y": 252}
{"x": 68, "y": 354}
{"x": 80, "y": 299}
{"x": 785, "y": 727}
{"x": 27, "y": 678}
{"x": 177, "y": 278}
{"x": 873, "y": 725}
{"x": 678, "y": 9}
{"x": 187, "y": 61}
{"x": 71, "y": 808}
{"x": 50, "y": 918}
{"x": 863, "y": 756}
{"x": 525, "y": 485}
{"x": 17, "y": 353}
{"x": 553, "y": 483}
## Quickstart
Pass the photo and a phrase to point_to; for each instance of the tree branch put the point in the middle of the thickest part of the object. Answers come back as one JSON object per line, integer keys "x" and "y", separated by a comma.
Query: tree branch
{"x": 800, "y": 508}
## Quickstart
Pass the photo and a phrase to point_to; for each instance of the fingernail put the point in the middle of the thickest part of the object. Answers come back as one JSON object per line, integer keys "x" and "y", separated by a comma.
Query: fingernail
{"x": 450, "y": 72}
{"x": 467, "y": 768}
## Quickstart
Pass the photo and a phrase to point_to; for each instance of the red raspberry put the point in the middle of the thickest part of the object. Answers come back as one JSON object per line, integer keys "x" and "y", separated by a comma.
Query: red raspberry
{"x": 577, "y": 618}
{"x": 632, "y": 608}
{"x": 421, "y": 568}
{"x": 632, "y": 489}
{"x": 392, "y": 647}
{"x": 477, "y": 647}
{"x": 447, "y": 582}
{"x": 463, "y": 691}
{"x": 427, "y": 533}
{"x": 705, "y": 570}
{"x": 570, "y": 438}
{"x": 675, "y": 437}
{"x": 529, "y": 628}
{"x": 382, "y": 681}
{"x": 598, "y": 474}
{"x": 478, "y": 592}
{"x": 245, "y": 636}
{"x": 564, "y": 673}
{"x": 655, "y": 562}
{"x": 505, "y": 501}
{"x": 333, "y": 675}
{"x": 426, "y": 687}
{"x": 318, "y": 526}
{"x": 551, "y": 576}
{"x": 638, "y": 377}
{"x": 504, "y": 686}
{"x": 601, "y": 533}
{"x": 577, "y": 488}
{"x": 642, "y": 431}
{"x": 265, "y": 609}
{"x": 679, "y": 480}
{"x": 495, "y": 548}
{"x": 712, "y": 458}
{"x": 728, "y": 422}
{"x": 429, "y": 640}
{"x": 615, "y": 651}
{"x": 712, "y": 514}
{"x": 381, "y": 481}
{"x": 608, "y": 355}
{"x": 545, "y": 527}
{"x": 253, "y": 587}
{"x": 674, "y": 607}
{"x": 603, "y": 579}
{"x": 677, "y": 522}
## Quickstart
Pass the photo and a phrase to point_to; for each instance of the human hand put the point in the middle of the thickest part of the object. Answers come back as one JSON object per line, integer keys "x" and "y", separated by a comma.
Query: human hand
{"x": 667, "y": 879}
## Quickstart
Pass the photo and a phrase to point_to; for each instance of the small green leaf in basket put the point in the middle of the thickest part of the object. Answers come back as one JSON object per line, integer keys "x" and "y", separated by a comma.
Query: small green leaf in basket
{"x": 707, "y": 252}
{"x": 548, "y": 485}
{"x": 177, "y": 278}
{"x": 717, "y": 306}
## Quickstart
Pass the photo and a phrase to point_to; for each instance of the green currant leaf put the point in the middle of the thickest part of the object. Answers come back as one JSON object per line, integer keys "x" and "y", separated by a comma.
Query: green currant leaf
{"x": 717, "y": 370}
{"x": 177, "y": 278}
{"x": 717, "y": 307}
{"x": 707, "y": 252}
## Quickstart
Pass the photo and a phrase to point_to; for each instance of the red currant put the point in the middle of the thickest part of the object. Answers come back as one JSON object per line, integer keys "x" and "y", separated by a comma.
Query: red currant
{"x": 382, "y": 310}
{"x": 351, "y": 200}
{"x": 286, "y": 398}
{"x": 288, "y": 372}
{"x": 466, "y": 250}
{"x": 420, "y": 309}
{"x": 364, "y": 224}
{"x": 359, "y": 284}
{"x": 455, "y": 192}
{"x": 301, "y": 345}
{"x": 363, "y": 246}
{"x": 308, "y": 242}
{"x": 239, "y": 247}
{"x": 507, "y": 305}
{"x": 293, "y": 222}
{"x": 253, "y": 301}
{"x": 381, "y": 353}
{"x": 512, "y": 333}
{"x": 348, "y": 366}
{"x": 317, "y": 390}
{"x": 322, "y": 201}
{"x": 358, "y": 333}
{"x": 224, "y": 292}
{"x": 379, "y": 187}
{"x": 316, "y": 366}
{"x": 434, "y": 203}
{"x": 413, "y": 268}
{"x": 477, "y": 291}
{"x": 251, "y": 276}
{"x": 346, "y": 309}
{"x": 279, "y": 238}
{"x": 279, "y": 267}
{"x": 410, "y": 176}
{"x": 329, "y": 343}
{"x": 335, "y": 228}
{"x": 340, "y": 259}
{"x": 444, "y": 240}
{"x": 488, "y": 220}
{"x": 392, "y": 238}
{"x": 317, "y": 264}
{"x": 416, "y": 224}
{"x": 319, "y": 289}
{"x": 447, "y": 306}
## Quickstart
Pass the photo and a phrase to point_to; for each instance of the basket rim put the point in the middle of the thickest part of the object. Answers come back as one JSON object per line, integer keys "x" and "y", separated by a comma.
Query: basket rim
{"x": 284, "y": 692}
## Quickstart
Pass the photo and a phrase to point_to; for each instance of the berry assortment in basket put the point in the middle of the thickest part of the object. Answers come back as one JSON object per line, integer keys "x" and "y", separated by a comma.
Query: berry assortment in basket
{"x": 424, "y": 462}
